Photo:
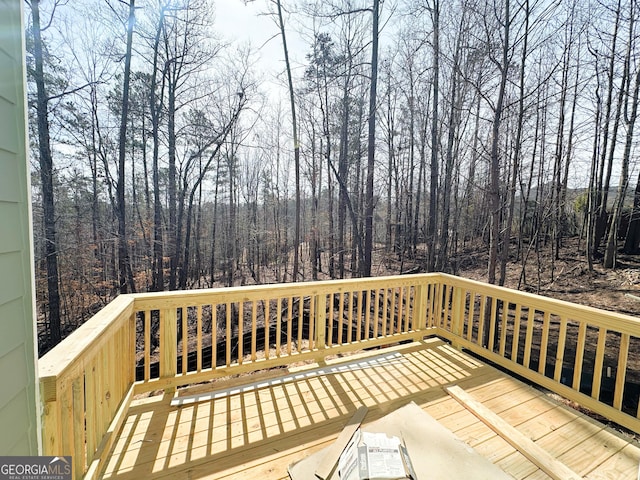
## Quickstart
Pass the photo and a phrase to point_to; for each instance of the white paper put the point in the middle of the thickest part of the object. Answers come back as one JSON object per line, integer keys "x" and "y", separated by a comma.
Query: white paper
{"x": 384, "y": 459}
{"x": 372, "y": 456}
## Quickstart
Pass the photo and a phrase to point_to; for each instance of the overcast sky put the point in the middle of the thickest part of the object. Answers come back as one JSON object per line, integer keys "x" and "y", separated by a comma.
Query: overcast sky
{"x": 248, "y": 24}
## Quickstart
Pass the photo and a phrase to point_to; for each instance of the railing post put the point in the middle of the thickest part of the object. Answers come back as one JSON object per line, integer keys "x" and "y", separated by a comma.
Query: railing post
{"x": 168, "y": 342}
{"x": 420, "y": 312}
{"x": 130, "y": 367}
{"x": 321, "y": 321}
{"x": 51, "y": 427}
{"x": 457, "y": 315}
{"x": 438, "y": 291}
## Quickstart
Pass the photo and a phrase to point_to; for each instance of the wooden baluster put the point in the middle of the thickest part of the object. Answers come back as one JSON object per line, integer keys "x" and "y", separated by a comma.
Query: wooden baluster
{"x": 228, "y": 333}
{"x": 278, "y": 326}
{"x": 577, "y": 365}
{"x": 376, "y": 313}
{"x": 240, "y": 332}
{"x": 367, "y": 316}
{"x": 472, "y": 314}
{"x": 529, "y": 337}
{"x": 79, "y": 433}
{"x": 254, "y": 331}
{"x": 312, "y": 317}
{"x": 359, "y": 318}
{"x": 289, "y": 326}
{"x": 457, "y": 311}
{"x": 300, "y": 322}
{"x": 321, "y": 321}
{"x": 599, "y": 363}
{"x": 544, "y": 343}
{"x": 267, "y": 326}
{"x": 482, "y": 314}
{"x": 492, "y": 322}
{"x": 214, "y": 336}
{"x": 562, "y": 340}
{"x": 330, "y": 320}
{"x": 199, "y": 339}
{"x": 399, "y": 294}
{"x": 515, "y": 342}
{"x": 621, "y": 371}
{"x": 147, "y": 345}
{"x": 407, "y": 309}
{"x": 185, "y": 339}
{"x": 91, "y": 411}
{"x": 385, "y": 308}
{"x": 340, "y": 318}
{"x": 503, "y": 327}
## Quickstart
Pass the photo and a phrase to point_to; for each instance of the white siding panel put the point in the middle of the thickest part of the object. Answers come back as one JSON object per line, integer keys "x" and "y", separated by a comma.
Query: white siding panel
{"x": 10, "y": 237}
{"x": 12, "y": 419}
{"x": 13, "y": 330}
{"x": 13, "y": 362}
{"x": 11, "y": 278}
{"x": 10, "y": 178}
{"x": 7, "y": 75}
{"x": 9, "y": 136}
{"x": 9, "y": 18}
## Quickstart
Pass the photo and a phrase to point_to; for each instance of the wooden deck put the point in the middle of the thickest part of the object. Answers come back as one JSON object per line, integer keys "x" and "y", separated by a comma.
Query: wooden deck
{"x": 258, "y": 432}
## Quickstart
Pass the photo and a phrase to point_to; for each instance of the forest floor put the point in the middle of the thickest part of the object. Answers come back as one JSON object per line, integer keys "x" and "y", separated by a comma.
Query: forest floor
{"x": 568, "y": 278}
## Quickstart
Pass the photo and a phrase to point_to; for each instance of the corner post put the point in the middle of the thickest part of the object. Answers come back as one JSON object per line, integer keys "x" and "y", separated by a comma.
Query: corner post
{"x": 420, "y": 301}
{"x": 457, "y": 315}
{"x": 168, "y": 343}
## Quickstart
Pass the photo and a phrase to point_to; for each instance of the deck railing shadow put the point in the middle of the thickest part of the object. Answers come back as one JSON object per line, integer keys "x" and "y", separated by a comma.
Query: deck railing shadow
{"x": 246, "y": 427}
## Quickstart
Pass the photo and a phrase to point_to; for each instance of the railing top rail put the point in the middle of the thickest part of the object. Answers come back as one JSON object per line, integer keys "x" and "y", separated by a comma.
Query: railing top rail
{"x": 618, "y": 322}
{"x": 275, "y": 290}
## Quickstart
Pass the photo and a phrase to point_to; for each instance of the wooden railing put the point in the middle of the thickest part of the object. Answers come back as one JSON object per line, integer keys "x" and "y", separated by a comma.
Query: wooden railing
{"x": 86, "y": 385}
{"x": 154, "y": 341}
{"x": 204, "y": 334}
{"x": 576, "y": 351}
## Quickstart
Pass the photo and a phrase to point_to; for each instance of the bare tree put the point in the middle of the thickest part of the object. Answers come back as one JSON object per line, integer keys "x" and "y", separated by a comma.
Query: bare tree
{"x": 124, "y": 263}
{"x": 45, "y": 158}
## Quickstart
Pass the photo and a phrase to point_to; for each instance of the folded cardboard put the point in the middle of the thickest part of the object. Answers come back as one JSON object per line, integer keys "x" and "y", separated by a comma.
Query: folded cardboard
{"x": 435, "y": 452}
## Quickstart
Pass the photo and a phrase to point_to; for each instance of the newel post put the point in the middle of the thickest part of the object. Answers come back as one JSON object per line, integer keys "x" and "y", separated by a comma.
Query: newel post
{"x": 457, "y": 314}
{"x": 168, "y": 342}
{"x": 420, "y": 299}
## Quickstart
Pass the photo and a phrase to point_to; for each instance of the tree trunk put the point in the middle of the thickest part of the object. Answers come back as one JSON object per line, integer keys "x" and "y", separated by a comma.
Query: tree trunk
{"x": 124, "y": 262}
{"x": 602, "y": 179}
{"x": 46, "y": 177}
{"x": 365, "y": 267}
{"x": 157, "y": 283}
{"x": 630, "y": 119}
{"x": 296, "y": 144}
{"x": 516, "y": 154}
{"x": 433, "y": 192}
{"x": 494, "y": 169}
{"x": 173, "y": 234}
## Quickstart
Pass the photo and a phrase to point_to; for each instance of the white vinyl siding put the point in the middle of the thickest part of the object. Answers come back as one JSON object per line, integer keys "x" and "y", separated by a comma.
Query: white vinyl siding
{"x": 18, "y": 396}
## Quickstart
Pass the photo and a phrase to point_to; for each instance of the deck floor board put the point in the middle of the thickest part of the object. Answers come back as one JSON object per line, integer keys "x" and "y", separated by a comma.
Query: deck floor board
{"x": 258, "y": 433}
